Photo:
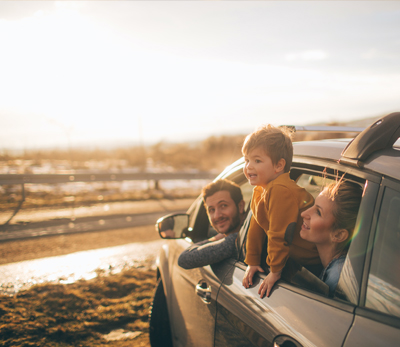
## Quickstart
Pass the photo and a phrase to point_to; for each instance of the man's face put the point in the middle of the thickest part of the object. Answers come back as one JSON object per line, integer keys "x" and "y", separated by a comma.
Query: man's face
{"x": 222, "y": 212}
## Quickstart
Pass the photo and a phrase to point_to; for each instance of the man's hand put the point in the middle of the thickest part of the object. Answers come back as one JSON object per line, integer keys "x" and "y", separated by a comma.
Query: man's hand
{"x": 268, "y": 283}
{"x": 248, "y": 275}
{"x": 217, "y": 237}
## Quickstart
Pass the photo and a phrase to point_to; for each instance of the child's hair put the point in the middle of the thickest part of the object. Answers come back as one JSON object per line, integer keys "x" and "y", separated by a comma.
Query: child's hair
{"x": 346, "y": 196}
{"x": 276, "y": 142}
{"x": 223, "y": 184}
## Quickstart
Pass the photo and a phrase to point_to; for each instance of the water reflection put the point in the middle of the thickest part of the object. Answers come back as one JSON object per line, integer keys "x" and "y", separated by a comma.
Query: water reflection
{"x": 80, "y": 265}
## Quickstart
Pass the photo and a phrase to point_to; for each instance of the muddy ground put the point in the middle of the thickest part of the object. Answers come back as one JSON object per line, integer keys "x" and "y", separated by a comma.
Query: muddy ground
{"x": 14, "y": 251}
{"x": 105, "y": 311}
{"x": 23, "y": 321}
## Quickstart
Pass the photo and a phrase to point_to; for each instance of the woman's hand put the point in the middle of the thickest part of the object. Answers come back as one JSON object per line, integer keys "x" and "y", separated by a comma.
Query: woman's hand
{"x": 248, "y": 275}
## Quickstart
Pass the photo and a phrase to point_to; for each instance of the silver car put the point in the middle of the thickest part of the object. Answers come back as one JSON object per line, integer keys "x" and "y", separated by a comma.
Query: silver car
{"x": 208, "y": 306}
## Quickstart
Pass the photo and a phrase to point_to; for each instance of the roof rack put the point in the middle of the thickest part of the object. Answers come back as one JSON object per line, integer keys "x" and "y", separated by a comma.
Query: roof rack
{"x": 380, "y": 135}
{"x": 325, "y": 128}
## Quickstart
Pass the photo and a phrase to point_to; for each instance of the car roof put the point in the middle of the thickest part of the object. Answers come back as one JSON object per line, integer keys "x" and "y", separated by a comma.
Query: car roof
{"x": 323, "y": 149}
{"x": 384, "y": 162}
{"x": 376, "y": 149}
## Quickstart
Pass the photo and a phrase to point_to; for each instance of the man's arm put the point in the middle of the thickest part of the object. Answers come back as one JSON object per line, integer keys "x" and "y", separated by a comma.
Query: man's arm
{"x": 208, "y": 252}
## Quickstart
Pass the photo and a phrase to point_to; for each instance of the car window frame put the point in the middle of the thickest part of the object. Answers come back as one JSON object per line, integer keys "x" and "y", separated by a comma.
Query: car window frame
{"x": 198, "y": 221}
{"x": 362, "y": 310}
{"x": 354, "y": 266}
{"x": 329, "y": 169}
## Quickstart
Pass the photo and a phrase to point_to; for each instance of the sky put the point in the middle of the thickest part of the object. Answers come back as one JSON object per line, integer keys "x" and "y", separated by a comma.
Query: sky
{"x": 106, "y": 73}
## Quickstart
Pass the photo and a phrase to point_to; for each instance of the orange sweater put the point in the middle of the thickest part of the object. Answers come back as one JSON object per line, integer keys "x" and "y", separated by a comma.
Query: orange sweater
{"x": 276, "y": 215}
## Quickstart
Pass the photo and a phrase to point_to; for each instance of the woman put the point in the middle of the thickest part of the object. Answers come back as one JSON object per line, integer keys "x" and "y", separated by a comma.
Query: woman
{"x": 330, "y": 225}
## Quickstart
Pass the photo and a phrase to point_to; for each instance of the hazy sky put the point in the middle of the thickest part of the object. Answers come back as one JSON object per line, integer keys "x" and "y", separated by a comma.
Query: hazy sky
{"x": 102, "y": 72}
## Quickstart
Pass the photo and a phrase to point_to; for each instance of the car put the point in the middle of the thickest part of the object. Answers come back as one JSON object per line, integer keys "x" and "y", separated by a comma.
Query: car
{"x": 208, "y": 306}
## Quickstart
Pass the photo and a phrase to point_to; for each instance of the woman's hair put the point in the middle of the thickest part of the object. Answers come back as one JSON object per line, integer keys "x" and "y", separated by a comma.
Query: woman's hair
{"x": 275, "y": 141}
{"x": 346, "y": 196}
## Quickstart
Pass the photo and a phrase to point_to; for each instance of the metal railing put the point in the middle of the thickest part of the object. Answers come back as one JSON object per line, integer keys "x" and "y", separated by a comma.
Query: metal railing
{"x": 93, "y": 177}
{"x": 103, "y": 176}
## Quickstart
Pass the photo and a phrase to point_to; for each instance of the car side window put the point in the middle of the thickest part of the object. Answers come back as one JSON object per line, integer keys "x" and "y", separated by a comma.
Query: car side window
{"x": 198, "y": 221}
{"x": 383, "y": 289}
{"x": 313, "y": 184}
{"x": 294, "y": 273}
{"x": 247, "y": 191}
{"x": 297, "y": 275}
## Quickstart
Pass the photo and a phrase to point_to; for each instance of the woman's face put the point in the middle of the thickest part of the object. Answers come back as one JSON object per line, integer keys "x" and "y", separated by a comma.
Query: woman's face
{"x": 318, "y": 220}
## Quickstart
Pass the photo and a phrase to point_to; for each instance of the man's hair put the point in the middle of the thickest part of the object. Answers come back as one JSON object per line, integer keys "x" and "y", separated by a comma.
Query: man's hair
{"x": 223, "y": 184}
{"x": 276, "y": 142}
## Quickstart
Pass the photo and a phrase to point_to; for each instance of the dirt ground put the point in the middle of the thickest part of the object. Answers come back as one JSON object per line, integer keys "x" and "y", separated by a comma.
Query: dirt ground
{"x": 20, "y": 250}
{"x": 48, "y": 246}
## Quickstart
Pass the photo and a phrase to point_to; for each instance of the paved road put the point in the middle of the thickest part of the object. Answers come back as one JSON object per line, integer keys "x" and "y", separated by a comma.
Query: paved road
{"x": 85, "y": 224}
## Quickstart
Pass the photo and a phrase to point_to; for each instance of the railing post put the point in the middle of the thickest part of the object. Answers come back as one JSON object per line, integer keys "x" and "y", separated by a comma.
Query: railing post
{"x": 19, "y": 205}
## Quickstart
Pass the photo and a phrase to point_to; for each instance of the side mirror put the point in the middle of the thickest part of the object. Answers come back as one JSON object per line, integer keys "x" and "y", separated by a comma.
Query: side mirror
{"x": 173, "y": 226}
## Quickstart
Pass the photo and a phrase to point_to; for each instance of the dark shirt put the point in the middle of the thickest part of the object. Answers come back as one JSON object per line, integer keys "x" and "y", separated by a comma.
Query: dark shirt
{"x": 208, "y": 252}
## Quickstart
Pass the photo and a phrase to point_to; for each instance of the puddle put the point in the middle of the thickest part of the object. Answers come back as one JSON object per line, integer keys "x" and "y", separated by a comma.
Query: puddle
{"x": 80, "y": 265}
{"x": 121, "y": 334}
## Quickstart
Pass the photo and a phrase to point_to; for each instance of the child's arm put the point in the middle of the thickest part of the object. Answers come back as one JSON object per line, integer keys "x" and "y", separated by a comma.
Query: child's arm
{"x": 283, "y": 211}
{"x": 255, "y": 240}
{"x": 249, "y": 274}
{"x": 269, "y": 281}
{"x": 254, "y": 244}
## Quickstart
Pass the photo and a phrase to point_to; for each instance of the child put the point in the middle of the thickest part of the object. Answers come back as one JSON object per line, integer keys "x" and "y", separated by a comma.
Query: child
{"x": 276, "y": 205}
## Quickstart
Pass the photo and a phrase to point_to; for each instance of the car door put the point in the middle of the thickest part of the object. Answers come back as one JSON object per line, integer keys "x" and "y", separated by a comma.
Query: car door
{"x": 377, "y": 319}
{"x": 297, "y": 313}
{"x": 194, "y": 291}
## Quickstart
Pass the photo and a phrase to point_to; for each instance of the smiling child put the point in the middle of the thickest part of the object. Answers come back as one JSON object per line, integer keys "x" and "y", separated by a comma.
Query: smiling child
{"x": 276, "y": 204}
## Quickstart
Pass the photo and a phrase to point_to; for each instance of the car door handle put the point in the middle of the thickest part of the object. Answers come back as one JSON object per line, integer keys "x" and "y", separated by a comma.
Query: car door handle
{"x": 284, "y": 340}
{"x": 204, "y": 291}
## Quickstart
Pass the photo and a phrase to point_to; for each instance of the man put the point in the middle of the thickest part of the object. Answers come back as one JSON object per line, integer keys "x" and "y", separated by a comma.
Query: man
{"x": 224, "y": 204}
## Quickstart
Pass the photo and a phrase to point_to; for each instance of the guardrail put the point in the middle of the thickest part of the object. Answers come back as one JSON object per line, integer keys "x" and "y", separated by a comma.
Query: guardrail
{"x": 91, "y": 177}
{"x": 104, "y": 177}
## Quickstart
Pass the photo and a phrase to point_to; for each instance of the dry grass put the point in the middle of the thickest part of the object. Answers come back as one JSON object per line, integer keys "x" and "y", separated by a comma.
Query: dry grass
{"x": 81, "y": 313}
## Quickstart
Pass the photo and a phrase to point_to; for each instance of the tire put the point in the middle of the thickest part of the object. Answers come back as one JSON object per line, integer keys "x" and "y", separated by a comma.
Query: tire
{"x": 160, "y": 329}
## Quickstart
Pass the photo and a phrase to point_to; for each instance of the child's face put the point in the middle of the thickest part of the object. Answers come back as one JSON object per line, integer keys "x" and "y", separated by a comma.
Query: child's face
{"x": 259, "y": 169}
